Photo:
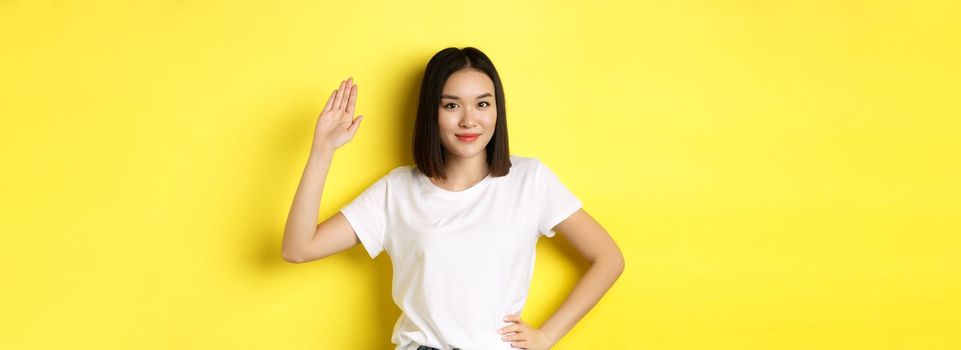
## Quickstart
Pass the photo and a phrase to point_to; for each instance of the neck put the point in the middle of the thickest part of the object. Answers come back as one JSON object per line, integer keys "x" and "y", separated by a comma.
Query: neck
{"x": 462, "y": 172}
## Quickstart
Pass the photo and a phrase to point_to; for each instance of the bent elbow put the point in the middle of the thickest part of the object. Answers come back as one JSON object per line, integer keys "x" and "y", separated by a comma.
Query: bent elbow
{"x": 621, "y": 267}
{"x": 291, "y": 257}
{"x": 617, "y": 264}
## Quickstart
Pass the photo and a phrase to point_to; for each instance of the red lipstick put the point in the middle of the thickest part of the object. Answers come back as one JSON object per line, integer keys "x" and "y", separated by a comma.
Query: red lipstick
{"x": 467, "y": 137}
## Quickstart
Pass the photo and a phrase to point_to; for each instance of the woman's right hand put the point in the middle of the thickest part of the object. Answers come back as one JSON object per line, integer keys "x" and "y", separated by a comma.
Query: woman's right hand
{"x": 336, "y": 124}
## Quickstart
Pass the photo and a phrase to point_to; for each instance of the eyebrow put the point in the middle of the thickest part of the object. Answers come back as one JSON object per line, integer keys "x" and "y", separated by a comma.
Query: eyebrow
{"x": 457, "y": 98}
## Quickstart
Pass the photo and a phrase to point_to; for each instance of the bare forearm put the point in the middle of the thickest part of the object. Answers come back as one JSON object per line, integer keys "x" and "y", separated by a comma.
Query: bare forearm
{"x": 586, "y": 293}
{"x": 302, "y": 219}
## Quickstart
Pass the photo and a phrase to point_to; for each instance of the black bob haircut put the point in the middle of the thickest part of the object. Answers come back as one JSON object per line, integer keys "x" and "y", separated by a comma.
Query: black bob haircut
{"x": 429, "y": 154}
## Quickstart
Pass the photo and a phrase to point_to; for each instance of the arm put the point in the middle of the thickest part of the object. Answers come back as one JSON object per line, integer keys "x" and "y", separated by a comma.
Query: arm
{"x": 607, "y": 263}
{"x": 304, "y": 239}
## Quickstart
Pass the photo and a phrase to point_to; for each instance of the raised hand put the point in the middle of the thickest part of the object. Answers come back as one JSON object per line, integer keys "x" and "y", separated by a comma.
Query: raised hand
{"x": 336, "y": 124}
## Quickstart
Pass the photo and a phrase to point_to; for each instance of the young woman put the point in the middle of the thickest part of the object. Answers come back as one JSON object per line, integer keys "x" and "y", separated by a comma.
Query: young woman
{"x": 461, "y": 225}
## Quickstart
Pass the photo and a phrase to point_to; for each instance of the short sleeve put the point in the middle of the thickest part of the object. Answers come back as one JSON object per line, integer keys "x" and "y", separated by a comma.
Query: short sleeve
{"x": 367, "y": 215}
{"x": 555, "y": 202}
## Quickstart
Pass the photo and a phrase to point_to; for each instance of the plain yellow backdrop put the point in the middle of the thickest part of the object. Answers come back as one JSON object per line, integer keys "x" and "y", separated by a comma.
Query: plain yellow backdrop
{"x": 779, "y": 175}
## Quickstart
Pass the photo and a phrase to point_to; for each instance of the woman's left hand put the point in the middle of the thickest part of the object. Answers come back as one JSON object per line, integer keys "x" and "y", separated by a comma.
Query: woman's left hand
{"x": 524, "y": 336}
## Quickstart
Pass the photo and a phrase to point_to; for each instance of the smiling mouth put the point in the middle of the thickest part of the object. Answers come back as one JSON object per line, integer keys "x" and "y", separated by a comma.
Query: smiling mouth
{"x": 467, "y": 137}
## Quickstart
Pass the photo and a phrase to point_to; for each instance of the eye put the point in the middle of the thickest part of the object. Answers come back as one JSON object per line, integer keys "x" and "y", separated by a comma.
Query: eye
{"x": 485, "y": 102}
{"x": 448, "y": 106}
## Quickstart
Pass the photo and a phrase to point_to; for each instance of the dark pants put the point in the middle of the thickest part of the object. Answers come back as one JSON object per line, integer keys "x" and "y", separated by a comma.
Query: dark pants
{"x": 425, "y": 347}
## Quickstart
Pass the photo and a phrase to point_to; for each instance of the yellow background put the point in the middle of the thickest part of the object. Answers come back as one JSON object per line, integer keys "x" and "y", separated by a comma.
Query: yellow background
{"x": 779, "y": 175}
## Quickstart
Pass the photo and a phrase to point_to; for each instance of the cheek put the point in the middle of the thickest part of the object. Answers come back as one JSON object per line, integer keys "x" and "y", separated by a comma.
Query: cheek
{"x": 491, "y": 119}
{"x": 446, "y": 122}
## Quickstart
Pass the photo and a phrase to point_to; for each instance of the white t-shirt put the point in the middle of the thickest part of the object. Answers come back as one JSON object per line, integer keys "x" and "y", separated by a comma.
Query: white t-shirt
{"x": 462, "y": 260}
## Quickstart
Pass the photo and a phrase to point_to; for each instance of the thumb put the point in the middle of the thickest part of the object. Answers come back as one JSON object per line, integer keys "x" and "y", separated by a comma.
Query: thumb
{"x": 354, "y": 125}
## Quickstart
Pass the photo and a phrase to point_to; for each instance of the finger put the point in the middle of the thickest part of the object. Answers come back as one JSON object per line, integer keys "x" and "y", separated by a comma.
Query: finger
{"x": 521, "y": 344}
{"x": 352, "y": 100}
{"x": 340, "y": 93}
{"x": 509, "y": 329}
{"x": 516, "y": 337}
{"x": 330, "y": 101}
{"x": 352, "y": 129}
{"x": 513, "y": 318}
{"x": 346, "y": 95}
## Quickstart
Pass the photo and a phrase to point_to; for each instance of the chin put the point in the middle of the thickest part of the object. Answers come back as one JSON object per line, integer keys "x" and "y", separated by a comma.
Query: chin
{"x": 467, "y": 154}
{"x": 464, "y": 152}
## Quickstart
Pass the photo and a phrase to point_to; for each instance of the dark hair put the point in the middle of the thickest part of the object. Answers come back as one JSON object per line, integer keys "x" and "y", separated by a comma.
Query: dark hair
{"x": 428, "y": 149}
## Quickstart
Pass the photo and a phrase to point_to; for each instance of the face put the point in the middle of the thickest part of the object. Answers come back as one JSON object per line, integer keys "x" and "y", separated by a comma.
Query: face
{"x": 467, "y": 108}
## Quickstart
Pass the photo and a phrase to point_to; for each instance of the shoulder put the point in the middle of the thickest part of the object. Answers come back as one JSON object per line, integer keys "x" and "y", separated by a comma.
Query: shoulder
{"x": 531, "y": 172}
{"x": 401, "y": 174}
{"x": 533, "y": 167}
{"x": 523, "y": 162}
{"x": 524, "y": 166}
{"x": 401, "y": 170}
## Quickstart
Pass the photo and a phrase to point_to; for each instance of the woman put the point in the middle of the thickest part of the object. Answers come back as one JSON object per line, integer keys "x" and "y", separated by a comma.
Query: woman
{"x": 460, "y": 226}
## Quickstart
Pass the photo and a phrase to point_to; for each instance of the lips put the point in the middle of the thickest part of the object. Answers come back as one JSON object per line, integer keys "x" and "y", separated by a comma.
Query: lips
{"x": 467, "y": 137}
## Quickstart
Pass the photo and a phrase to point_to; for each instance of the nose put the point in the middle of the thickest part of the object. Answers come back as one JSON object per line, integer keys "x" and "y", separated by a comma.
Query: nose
{"x": 468, "y": 118}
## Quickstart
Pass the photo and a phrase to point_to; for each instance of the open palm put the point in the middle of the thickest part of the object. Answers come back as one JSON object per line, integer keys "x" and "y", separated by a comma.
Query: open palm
{"x": 336, "y": 124}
